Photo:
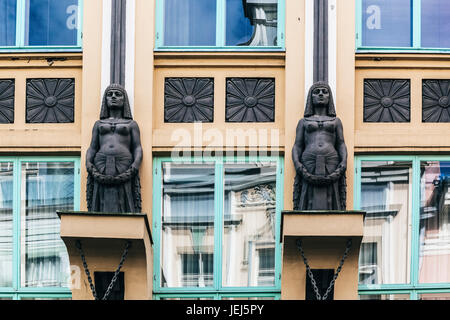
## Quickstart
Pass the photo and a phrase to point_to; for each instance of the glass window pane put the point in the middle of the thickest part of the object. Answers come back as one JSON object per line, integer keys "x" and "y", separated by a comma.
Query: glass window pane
{"x": 434, "y": 235}
{"x": 249, "y": 225}
{"x": 435, "y": 23}
{"x": 190, "y": 23}
{"x": 251, "y": 22}
{"x": 386, "y": 23}
{"x": 248, "y": 298}
{"x": 45, "y": 188}
{"x": 8, "y": 22}
{"x": 384, "y": 297}
{"x": 6, "y": 223}
{"x": 51, "y": 22}
{"x": 386, "y": 196}
{"x": 434, "y": 296}
{"x": 187, "y": 231}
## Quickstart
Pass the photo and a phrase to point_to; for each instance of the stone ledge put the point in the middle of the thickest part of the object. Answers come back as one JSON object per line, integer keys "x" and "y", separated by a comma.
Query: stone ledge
{"x": 328, "y": 223}
{"x": 100, "y": 225}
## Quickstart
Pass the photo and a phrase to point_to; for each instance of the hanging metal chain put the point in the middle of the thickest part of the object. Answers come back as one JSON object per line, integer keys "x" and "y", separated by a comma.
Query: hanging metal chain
{"x": 310, "y": 274}
{"x": 86, "y": 269}
{"x": 116, "y": 273}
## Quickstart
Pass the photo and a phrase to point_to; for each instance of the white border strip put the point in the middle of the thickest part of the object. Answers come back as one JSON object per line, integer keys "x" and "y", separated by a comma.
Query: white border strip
{"x": 332, "y": 46}
{"x": 106, "y": 46}
{"x": 130, "y": 47}
{"x": 309, "y": 45}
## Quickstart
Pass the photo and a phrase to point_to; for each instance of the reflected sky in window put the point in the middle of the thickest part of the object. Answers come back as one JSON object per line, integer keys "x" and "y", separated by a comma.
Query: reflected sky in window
{"x": 190, "y": 23}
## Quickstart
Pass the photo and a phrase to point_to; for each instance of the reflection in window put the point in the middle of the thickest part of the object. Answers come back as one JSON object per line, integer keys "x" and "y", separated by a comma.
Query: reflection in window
{"x": 46, "y": 188}
{"x": 249, "y": 225}
{"x": 205, "y": 23}
{"x": 187, "y": 225}
{"x": 6, "y": 223}
{"x": 51, "y": 22}
{"x": 190, "y": 23}
{"x": 251, "y": 23}
{"x": 8, "y": 22}
{"x": 434, "y": 237}
{"x": 384, "y": 297}
{"x": 386, "y": 23}
{"x": 435, "y": 21}
{"x": 434, "y": 296}
{"x": 386, "y": 197}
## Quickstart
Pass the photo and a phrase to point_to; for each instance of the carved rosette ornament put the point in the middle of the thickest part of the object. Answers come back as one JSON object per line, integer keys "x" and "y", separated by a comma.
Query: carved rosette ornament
{"x": 50, "y": 100}
{"x": 435, "y": 101}
{"x": 7, "y": 101}
{"x": 250, "y": 100}
{"x": 387, "y": 100}
{"x": 188, "y": 100}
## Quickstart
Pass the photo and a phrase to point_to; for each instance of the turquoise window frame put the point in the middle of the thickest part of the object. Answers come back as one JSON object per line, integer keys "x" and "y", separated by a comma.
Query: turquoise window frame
{"x": 217, "y": 291}
{"x": 20, "y": 34}
{"x": 414, "y": 288}
{"x": 415, "y": 34}
{"x": 16, "y": 291}
{"x": 220, "y": 32}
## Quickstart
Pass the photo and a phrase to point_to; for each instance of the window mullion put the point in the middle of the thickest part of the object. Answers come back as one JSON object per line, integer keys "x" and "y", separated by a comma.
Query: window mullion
{"x": 20, "y": 23}
{"x": 358, "y": 23}
{"x": 16, "y": 224}
{"x": 218, "y": 223}
{"x": 220, "y": 22}
{"x": 416, "y": 24}
{"x": 415, "y": 222}
{"x": 80, "y": 23}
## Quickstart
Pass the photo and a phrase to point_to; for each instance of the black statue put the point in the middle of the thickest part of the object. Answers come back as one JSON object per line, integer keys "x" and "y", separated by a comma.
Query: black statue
{"x": 114, "y": 157}
{"x": 320, "y": 154}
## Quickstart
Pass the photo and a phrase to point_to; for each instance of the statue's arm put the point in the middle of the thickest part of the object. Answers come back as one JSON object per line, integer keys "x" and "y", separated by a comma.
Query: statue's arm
{"x": 299, "y": 144}
{"x": 136, "y": 147}
{"x": 340, "y": 144}
{"x": 93, "y": 147}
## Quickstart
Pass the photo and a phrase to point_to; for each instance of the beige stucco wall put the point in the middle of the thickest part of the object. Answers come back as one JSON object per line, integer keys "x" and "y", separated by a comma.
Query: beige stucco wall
{"x": 400, "y": 137}
{"x": 40, "y": 138}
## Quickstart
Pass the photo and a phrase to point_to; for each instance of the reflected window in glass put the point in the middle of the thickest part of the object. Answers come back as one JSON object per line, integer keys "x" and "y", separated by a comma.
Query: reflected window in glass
{"x": 434, "y": 240}
{"x": 386, "y": 197}
{"x": 46, "y": 187}
{"x": 6, "y": 224}
{"x": 187, "y": 244}
{"x": 249, "y": 225}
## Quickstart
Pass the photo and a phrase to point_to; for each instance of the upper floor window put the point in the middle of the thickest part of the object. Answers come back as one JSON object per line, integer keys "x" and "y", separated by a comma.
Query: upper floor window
{"x": 40, "y": 24}
{"x": 403, "y": 25}
{"x": 220, "y": 24}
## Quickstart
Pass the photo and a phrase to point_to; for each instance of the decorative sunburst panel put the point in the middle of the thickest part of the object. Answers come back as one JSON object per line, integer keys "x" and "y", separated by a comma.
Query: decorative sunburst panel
{"x": 6, "y": 101}
{"x": 50, "y": 100}
{"x": 188, "y": 100}
{"x": 435, "y": 100}
{"x": 387, "y": 100}
{"x": 250, "y": 100}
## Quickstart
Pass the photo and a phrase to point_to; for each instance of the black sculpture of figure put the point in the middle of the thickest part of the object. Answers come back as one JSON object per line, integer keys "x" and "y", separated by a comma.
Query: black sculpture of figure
{"x": 114, "y": 157}
{"x": 320, "y": 154}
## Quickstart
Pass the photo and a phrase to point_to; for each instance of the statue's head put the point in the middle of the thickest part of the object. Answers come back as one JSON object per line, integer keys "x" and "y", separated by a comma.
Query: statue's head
{"x": 320, "y": 95}
{"x": 115, "y": 97}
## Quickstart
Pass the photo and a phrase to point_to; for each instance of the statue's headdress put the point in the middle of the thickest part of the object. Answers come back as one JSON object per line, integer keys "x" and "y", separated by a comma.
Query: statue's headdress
{"x": 104, "y": 112}
{"x": 309, "y": 110}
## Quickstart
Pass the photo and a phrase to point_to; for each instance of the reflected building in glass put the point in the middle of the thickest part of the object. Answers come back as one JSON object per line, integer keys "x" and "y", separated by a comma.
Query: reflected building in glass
{"x": 217, "y": 88}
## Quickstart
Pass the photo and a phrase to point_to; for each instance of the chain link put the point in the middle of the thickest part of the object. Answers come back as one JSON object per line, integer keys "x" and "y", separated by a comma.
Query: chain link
{"x": 116, "y": 273}
{"x": 86, "y": 269}
{"x": 310, "y": 274}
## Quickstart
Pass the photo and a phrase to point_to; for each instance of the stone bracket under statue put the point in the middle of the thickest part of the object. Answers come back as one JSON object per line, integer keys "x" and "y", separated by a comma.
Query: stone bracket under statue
{"x": 104, "y": 237}
{"x": 324, "y": 234}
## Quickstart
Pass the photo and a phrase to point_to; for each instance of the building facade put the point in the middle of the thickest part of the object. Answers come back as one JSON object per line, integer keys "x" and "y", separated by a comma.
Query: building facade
{"x": 217, "y": 88}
